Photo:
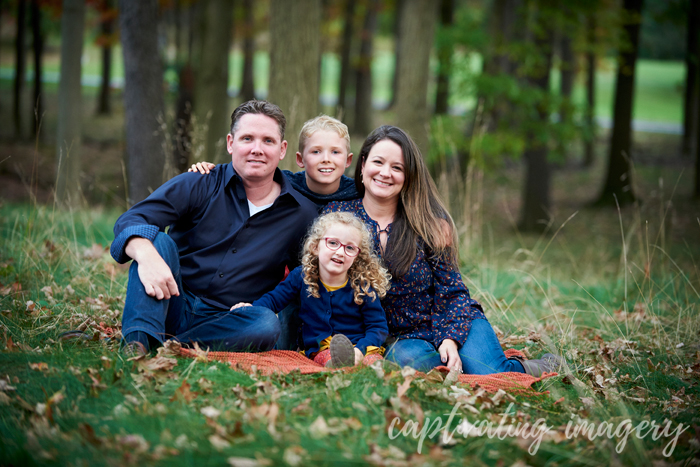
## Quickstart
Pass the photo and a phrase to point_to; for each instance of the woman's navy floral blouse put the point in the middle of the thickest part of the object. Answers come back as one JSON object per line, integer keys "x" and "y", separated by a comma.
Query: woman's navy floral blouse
{"x": 430, "y": 301}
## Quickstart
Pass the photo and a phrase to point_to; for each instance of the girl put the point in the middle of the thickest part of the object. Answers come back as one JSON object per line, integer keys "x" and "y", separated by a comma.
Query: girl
{"x": 339, "y": 286}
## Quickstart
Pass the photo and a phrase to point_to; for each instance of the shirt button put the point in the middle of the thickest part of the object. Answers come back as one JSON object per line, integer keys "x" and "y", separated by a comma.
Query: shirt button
{"x": 234, "y": 250}
{"x": 221, "y": 275}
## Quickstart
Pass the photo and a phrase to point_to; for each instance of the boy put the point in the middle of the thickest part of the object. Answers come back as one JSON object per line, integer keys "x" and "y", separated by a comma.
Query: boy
{"x": 324, "y": 153}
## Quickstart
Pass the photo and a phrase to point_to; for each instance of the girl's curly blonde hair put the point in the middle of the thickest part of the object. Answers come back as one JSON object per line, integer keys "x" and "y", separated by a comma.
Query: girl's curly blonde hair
{"x": 365, "y": 272}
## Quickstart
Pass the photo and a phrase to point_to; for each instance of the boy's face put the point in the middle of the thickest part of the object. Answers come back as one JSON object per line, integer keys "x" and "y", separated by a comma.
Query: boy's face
{"x": 325, "y": 159}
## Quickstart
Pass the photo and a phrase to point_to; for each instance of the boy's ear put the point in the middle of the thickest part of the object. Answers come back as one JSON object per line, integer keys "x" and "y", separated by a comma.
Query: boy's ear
{"x": 348, "y": 161}
{"x": 300, "y": 160}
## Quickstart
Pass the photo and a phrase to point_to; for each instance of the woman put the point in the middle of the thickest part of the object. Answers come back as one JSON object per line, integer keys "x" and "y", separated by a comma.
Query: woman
{"x": 430, "y": 313}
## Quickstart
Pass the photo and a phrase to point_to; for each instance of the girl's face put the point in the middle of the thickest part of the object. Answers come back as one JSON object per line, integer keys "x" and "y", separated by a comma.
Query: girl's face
{"x": 334, "y": 264}
{"x": 383, "y": 171}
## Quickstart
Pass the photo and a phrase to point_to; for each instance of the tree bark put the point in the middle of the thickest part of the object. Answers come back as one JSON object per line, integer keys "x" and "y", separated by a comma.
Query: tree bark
{"x": 444, "y": 53}
{"x": 400, "y": 4}
{"x": 248, "y": 83}
{"x": 295, "y": 65}
{"x": 143, "y": 98}
{"x": 70, "y": 104}
{"x": 589, "y": 112}
{"x": 536, "y": 213}
{"x": 568, "y": 73}
{"x": 417, "y": 31}
{"x": 107, "y": 30}
{"x": 345, "y": 53}
{"x": 363, "y": 94}
{"x": 691, "y": 104}
{"x": 20, "y": 63}
{"x": 211, "y": 86}
{"x": 38, "y": 46}
{"x": 618, "y": 183}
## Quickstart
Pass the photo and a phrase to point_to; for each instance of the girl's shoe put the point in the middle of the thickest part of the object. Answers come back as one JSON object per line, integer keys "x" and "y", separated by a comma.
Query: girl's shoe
{"x": 548, "y": 363}
{"x": 342, "y": 352}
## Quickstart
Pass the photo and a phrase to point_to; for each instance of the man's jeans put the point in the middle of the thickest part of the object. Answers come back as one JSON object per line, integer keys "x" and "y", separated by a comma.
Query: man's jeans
{"x": 188, "y": 319}
{"x": 481, "y": 354}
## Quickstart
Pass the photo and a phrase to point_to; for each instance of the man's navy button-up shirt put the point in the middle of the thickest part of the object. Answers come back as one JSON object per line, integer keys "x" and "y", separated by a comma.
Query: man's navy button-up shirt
{"x": 226, "y": 256}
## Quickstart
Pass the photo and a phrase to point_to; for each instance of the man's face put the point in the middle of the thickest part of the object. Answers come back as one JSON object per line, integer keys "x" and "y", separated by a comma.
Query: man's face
{"x": 256, "y": 147}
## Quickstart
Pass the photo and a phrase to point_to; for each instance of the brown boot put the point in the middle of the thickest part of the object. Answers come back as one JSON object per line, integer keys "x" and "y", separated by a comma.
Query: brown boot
{"x": 548, "y": 363}
{"x": 342, "y": 352}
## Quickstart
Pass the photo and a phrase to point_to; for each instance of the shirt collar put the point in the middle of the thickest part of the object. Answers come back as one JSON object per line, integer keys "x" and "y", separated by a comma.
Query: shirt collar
{"x": 286, "y": 188}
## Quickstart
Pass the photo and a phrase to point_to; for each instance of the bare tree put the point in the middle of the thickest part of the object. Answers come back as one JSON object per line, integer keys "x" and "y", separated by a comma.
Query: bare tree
{"x": 143, "y": 97}
{"x": 248, "y": 83}
{"x": 108, "y": 15}
{"x": 691, "y": 104}
{"x": 618, "y": 182}
{"x": 345, "y": 52}
{"x": 363, "y": 78}
{"x": 38, "y": 49}
{"x": 20, "y": 63}
{"x": 295, "y": 64}
{"x": 444, "y": 54}
{"x": 211, "y": 84}
{"x": 417, "y": 30}
{"x": 70, "y": 103}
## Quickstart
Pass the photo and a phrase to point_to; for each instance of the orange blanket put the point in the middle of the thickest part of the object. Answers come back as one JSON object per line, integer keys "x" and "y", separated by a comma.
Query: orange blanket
{"x": 286, "y": 361}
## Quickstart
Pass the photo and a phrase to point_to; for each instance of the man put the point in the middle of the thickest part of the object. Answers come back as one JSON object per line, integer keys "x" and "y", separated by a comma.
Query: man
{"x": 231, "y": 236}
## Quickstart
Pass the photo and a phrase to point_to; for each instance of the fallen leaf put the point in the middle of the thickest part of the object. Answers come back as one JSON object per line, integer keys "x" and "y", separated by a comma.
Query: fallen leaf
{"x": 96, "y": 251}
{"x": 403, "y": 387}
{"x": 248, "y": 462}
{"x": 41, "y": 366}
{"x": 219, "y": 443}
{"x": 210, "y": 412}
{"x": 30, "y": 306}
{"x": 184, "y": 393}
{"x": 319, "y": 428}
{"x": 136, "y": 443}
{"x": 294, "y": 455}
{"x": 158, "y": 364}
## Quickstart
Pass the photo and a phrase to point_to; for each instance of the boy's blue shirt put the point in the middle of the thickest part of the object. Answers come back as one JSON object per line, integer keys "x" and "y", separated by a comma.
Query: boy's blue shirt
{"x": 346, "y": 191}
{"x": 332, "y": 313}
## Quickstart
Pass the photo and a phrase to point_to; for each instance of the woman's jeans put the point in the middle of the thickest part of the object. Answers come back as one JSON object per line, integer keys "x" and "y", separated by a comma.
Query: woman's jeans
{"x": 481, "y": 354}
{"x": 188, "y": 319}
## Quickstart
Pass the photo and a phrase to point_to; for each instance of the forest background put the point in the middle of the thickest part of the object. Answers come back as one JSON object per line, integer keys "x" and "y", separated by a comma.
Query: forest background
{"x": 563, "y": 135}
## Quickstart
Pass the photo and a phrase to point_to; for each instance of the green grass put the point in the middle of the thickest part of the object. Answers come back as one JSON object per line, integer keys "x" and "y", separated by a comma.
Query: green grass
{"x": 618, "y": 309}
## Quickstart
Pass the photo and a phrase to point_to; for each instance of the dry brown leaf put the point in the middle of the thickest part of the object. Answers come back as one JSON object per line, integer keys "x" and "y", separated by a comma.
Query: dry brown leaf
{"x": 157, "y": 364}
{"x": 184, "y": 393}
{"x": 41, "y": 366}
{"x": 96, "y": 251}
{"x": 403, "y": 387}
{"x": 319, "y": 428}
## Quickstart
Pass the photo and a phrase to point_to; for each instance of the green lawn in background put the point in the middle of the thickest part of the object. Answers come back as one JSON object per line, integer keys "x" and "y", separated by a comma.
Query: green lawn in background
{"x": 658, "y": 96}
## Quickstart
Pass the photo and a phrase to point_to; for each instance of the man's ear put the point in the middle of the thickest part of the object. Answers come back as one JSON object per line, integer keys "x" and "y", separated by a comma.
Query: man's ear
{"x": 349, "y": 161}
{"x": 283, "y": 151}
{"x": 229, "y": 143}
{"x": 300, "y": 160}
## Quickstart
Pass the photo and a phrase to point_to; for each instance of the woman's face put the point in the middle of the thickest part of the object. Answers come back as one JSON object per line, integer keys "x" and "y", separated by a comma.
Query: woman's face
{"x": 383, "y": 171}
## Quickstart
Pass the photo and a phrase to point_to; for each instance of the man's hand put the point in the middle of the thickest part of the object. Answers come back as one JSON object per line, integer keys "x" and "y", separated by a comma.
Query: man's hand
{"x": 154, "y": 273}
{"x": 240, "y": 304}
{"x": 449, "y": 354}
{"x": 359, "y": 356}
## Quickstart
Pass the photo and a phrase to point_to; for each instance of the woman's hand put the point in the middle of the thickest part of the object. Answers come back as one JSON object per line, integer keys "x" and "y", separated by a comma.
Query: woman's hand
{"x": 239, "y": 305}
{"x": 449, "y": 354}
{"x": 202, "y": 167}
{"x": 359, "y": 356}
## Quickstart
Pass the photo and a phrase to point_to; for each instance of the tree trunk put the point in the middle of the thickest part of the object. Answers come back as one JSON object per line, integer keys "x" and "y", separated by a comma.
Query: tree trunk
{"x": 363, "y": 80}
{"x": 444, "y": 53}
{"x": 20, "y": 63}
{"x": 143, "y": 97}
{"x": 536, "y": 198}
{"x": 345, "y": 51}
{"x": 70, "y": 103}
{"x": 182, "y": 137}
{"x": 417, "y": 30}
{"x": 568, "y": 73}
{"x": 618, "y": 183}
{"x": 107, "y": 30}
{"x": 248, "y": 83}
{"x": 211, "y": 86}
{"x": 38, "y": 46}
{"x": 295, "y": 65}
{"x": 691, "y": 107}
{"x": 400, "y": 4}
{"x": 589, "y": 112}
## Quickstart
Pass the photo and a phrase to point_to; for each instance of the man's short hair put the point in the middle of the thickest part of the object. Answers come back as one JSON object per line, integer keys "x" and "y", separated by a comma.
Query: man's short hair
{"x": 323, "y": 122}
{"x": 259, "y": 107}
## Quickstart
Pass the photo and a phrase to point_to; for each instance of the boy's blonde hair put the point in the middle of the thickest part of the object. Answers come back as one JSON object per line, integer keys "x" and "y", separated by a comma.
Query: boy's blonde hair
{"x": 323, "y": 122}
{"x": 365, "y": 272}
